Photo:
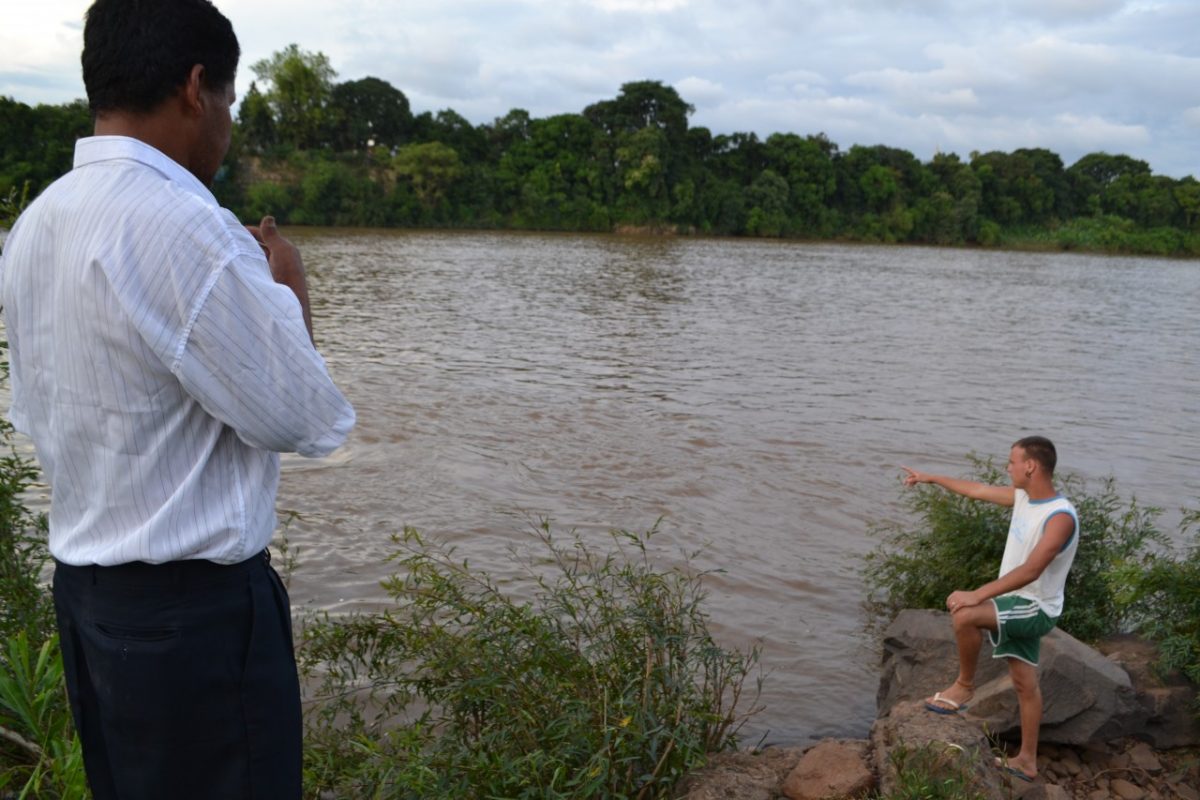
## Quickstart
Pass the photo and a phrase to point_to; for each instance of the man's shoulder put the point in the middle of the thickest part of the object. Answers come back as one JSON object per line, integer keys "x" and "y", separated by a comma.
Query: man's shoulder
{"x": 151, "y": 210}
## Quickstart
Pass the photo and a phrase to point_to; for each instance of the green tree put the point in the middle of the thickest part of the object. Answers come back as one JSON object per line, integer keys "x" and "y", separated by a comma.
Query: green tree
{"x": 256, "y": 121}
{"x": 879, "y": 187}
{"x": 554, "y": 176}
{"x": 1148, "y": 200}
{"x": 643, "y": 104}
{"x": 641, "y": 162}
{"x": 1091, "y": 176}
{"x": 876, "y": 186}
{"x": 507, "y": 132}
{"x": 1023, "y": 187}
{"x": 431, "y": 168}
{"x": 1187, "y": 195}
{"x": 37, "y": 144}
{"x": 739, "y": 157}
{"x": 961, "y": 185}
{"x": 768, "y": 199}
{"x": 806, "y": 164}
{"x": 644, "y": 142}
{"x": 299, "y": 88}
{"x": 369, "y": 111}
{"x": 454, "y": 130}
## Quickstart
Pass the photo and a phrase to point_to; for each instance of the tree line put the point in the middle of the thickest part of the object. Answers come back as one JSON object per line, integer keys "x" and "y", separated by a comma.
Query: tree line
{"x": 314, "y": 151}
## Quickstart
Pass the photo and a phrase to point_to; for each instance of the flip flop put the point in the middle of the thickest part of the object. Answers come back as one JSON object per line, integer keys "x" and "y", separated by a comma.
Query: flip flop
{"x": 1013, "y": 771}
{"x": 955, "y": 708}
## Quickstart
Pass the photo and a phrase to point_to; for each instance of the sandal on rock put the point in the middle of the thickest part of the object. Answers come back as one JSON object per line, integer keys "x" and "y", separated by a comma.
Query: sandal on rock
{"x": 950, "y": 706}
{"x": 1013, "y": 771}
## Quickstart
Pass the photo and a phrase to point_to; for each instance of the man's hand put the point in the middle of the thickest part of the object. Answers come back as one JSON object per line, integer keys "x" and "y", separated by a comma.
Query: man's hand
{"x": 959, "y": 600}
{"x": 1000, "y": 495}
{"x": 282, "y": 255}
{"x": 287, "y": 268}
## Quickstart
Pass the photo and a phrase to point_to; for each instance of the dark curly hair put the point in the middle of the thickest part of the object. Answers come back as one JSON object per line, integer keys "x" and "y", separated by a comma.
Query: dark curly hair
{"x": 137, "y": 53}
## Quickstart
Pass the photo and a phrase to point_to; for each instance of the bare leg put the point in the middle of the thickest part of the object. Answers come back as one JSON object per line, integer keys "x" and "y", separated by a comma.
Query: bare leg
{"x": 969, "y": 625}
{"x": 1029, "y": 696}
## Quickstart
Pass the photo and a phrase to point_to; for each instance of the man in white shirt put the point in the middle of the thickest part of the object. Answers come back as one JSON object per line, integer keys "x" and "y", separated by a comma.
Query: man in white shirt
{"x": 1024, "y": 603}
{"x": 159, "y": 363}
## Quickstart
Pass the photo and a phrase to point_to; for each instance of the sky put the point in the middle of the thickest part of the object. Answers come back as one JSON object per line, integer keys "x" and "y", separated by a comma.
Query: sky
{"x": 928, "y": 76}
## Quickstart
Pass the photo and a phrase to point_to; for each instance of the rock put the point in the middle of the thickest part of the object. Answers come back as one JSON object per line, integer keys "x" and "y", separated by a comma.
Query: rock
{"x": 1142, "y": 757}
{"x": 1167, "y": 699}
{"x": 831, "y": 769}
{"x": 1186, "y": 792}
{"x": 1086, "y": 697}
{"x": 958, "y": 745}
{"x": 1099, "y": 794}
{"x": 1046, "y": 791}
{"x": 1125, "y": 790}
{"x": 742, "y": 775}
{"x": 919, "y": 658}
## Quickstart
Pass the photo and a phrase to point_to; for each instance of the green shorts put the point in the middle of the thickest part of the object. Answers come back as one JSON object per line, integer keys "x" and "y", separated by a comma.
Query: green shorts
{"x": 1020, "y": 624}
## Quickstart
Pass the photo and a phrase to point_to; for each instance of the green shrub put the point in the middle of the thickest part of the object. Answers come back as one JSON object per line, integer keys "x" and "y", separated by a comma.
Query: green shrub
{"x": 605, "y": 684}
{"x": 268, "y": 198}
{"x": 40, "y": 755}
{"x": 956, "y": 543}
{"x": 1163, "y": 597}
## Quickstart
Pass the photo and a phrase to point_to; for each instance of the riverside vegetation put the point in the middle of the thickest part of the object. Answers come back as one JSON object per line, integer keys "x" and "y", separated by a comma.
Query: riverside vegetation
{"x": 314, "y": 151}
{"x": 605, "y": 684}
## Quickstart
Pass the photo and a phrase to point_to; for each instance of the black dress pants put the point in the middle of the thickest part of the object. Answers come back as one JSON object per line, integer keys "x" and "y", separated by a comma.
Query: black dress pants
{"x": 182, "y": 679}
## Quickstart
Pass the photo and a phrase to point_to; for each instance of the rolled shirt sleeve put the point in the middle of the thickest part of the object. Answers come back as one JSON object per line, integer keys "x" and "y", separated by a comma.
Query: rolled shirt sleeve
{"x": 247, "y": 359}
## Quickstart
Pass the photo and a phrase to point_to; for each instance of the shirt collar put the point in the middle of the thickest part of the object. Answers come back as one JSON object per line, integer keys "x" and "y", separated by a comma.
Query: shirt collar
{"x": 94, "y": 149}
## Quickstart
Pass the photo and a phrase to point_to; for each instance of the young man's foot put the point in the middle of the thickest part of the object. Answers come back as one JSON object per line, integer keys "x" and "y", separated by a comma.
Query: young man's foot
{"x": 1018, "y": 768}
{"x": 952, "y": 700}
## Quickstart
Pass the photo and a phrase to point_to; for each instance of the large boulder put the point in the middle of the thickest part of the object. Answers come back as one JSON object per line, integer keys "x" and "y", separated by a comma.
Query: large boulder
{"x": 952, "y": 746}
{"x": 831, "y": 769}
{"x": 1086, "y": 697}
{"x": 744, "y": 775}
{"x": 1169, "y": 699}
{"x": 920, "y": 657}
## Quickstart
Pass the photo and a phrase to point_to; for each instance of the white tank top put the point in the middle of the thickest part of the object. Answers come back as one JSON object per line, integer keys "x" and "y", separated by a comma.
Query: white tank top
{"x": 1029, "y": 520}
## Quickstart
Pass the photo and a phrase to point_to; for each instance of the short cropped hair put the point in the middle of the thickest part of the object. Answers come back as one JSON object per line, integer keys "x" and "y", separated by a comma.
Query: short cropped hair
{"x": 1041, "y": 450}
{"x": 137, "y": 53}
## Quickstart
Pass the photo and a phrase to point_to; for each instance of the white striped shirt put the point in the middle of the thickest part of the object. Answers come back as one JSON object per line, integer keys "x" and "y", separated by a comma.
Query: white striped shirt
{"x": 157, "y": 367}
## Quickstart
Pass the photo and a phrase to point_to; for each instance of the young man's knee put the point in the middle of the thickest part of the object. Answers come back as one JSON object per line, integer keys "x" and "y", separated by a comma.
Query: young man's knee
{"x": 1024, "y": 677}
{"x": 971, "y": 621}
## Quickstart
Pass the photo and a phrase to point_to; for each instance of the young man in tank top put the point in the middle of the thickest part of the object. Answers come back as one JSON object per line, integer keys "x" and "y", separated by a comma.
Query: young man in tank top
{"x": 1024, "y": 603}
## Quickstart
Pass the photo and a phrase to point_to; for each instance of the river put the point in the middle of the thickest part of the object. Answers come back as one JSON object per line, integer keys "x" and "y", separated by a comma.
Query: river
{"x": 758, "y": 397}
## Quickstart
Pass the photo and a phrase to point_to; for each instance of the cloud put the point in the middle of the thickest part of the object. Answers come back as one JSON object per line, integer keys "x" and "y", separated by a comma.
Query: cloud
{"x": 643, "y": 6}
{"x": 700, "y": 90}
{"x": 1062, "y": 11}
{"x": 933, "y": 91}
{"x": 917, "y": 74}
{"x": 801, "y": 82}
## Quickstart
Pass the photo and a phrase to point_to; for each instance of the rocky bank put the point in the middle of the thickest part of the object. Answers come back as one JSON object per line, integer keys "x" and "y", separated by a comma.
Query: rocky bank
{"x": 1111, "y": 728}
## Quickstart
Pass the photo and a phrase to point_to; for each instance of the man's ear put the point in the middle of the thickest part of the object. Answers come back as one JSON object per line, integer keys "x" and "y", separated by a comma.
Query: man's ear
{"x": 192, "y": 94}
